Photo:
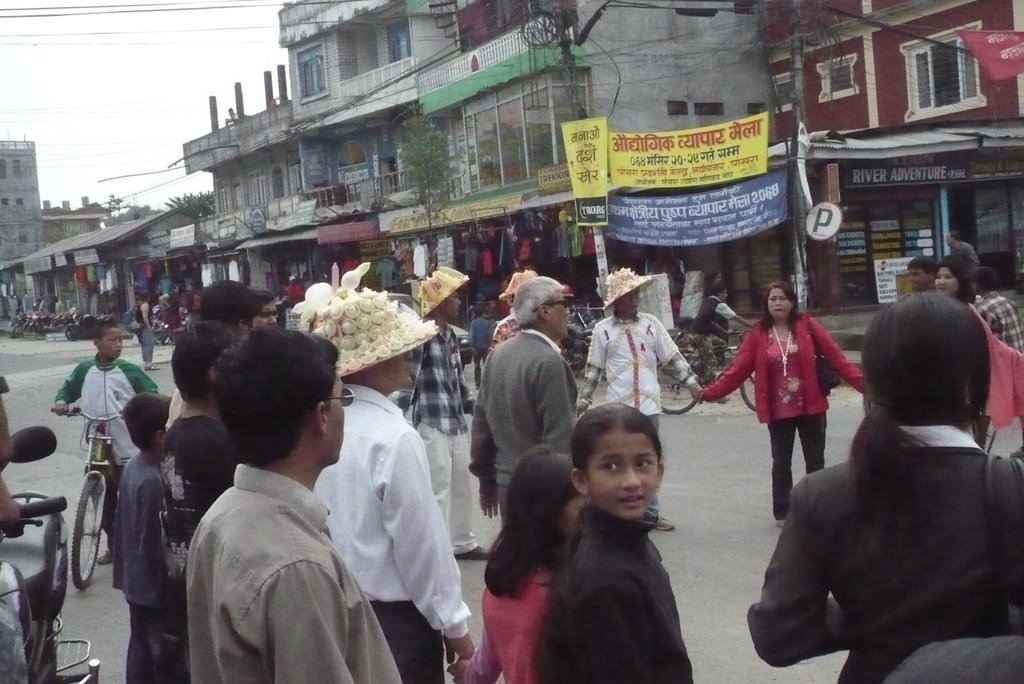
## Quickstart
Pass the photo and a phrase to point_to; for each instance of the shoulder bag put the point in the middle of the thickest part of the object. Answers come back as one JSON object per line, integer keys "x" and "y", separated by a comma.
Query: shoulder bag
{"x": 828, "y": 378}
{"x": 997, "y": 541}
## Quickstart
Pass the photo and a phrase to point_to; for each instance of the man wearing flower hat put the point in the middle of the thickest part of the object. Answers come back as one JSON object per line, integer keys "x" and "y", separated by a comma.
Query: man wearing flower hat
{"x": 440, "y": 403}
{"x": 627, "y": 348}
{"x": 384, "y": 519}
{"x": 508, "y": 326}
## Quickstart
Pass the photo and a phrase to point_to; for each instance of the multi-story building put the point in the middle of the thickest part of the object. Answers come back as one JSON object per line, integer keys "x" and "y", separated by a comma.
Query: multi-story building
{"x": 64, "y": 222}
{"x": 318, "y": 178}
{"x": 906, "y": 132}
{"x": 21, "y": 225}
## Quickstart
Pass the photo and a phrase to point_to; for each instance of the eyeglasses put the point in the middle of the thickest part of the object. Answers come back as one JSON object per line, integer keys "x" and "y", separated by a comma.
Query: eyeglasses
{"x": 346, "y": 397}
{"x": 555, "y": 302}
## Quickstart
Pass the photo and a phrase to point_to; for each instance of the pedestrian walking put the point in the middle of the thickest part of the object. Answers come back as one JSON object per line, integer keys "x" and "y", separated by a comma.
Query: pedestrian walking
{"x": 527, "y": 394}
{"x": 385, "y": 521}
{"x": 627, "y": 348}
{"x": 893, "y": 549}
{"x": 953, "y": 279}
{"x": 269, "y": 598}
{"x": 440, "y": 402}
{"x": 921, "y": 272}
{"x": 781, "y": 352}
{"x": 144, "y": 317}
{"x": 481, "y": 331}
{"x": 998, "y": 312}
{"x": 962, "y": 250}
{"x": 508, "y": 327}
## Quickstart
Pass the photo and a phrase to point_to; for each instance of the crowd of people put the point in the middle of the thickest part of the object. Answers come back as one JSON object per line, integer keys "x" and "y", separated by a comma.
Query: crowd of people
{"x": 281, "y": 518}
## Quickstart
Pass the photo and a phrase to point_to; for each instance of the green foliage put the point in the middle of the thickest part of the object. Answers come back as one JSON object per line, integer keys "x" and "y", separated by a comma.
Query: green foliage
{"x": 129, "y": 212}
{"x": 194, "y": 205}
{"x": 426, "y": 161}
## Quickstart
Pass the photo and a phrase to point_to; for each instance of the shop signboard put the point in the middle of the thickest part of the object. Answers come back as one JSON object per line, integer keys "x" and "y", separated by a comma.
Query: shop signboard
{"x": 701, "y": 218}
{"x": 182, "y": 237}
{"x": 692, "y": 157}
{"x": 355, "y": 231}
{"x": 929, "y": 169}
{"x": 586, "y": 150}
{"x": 304, "y": 214}
{"x": 553, "y": 179}
{"x": 60, "y": 259}
{"x": 38, "y": 265}
{"x": 83, "y": 257}
{"x": 258, "y": 220}
{"x": 891, "y": 280}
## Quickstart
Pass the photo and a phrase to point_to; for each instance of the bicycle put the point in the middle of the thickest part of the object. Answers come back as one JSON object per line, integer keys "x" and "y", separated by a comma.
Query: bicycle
{"x": 675, "y": 398}
{"x": 100, "y": 472}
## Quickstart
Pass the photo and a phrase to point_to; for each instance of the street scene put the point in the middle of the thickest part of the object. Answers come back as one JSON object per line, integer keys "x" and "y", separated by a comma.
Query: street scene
{"x": 505, "y": 333}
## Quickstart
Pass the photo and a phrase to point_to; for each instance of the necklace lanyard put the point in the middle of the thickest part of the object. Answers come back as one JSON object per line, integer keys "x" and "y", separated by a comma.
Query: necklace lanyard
{"x": 784, "y": 351}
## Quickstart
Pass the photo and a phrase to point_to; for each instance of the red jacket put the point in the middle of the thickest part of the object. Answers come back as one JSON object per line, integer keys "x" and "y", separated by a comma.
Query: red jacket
{"x": 752, "y": 357}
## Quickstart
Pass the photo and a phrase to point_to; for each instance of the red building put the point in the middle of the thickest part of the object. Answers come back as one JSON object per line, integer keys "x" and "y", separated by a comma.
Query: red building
{"x": 918, "y": 141}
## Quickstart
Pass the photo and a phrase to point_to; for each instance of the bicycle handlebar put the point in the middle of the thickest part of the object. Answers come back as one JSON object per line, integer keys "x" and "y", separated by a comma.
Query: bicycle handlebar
{"x": 76, "y": 411}
{"x": 37, "y": 509}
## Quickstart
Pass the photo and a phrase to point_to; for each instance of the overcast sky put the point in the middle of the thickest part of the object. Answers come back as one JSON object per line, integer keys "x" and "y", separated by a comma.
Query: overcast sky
{"x": 112, "y": 94}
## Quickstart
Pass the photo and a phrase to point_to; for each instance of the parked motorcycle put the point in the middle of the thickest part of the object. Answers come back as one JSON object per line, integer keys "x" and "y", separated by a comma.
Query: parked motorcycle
{"x": 84, "y": 326}
{"x": 577, "y": 344}
{"x": 33, "y": 575}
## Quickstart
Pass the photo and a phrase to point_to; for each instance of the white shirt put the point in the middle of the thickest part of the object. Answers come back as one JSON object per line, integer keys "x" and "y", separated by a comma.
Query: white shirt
{"x": 538, "y": 333}
{"x": 632, "y": 370}
{"x": 940, "y": 436}
{"x": 384, "y": 519}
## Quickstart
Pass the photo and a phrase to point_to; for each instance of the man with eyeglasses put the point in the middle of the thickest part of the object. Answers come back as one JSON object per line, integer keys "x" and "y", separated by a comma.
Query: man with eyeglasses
{"x": 527, "y": 393}
{"x": 269, "y": 597}
{"x": 385, "y": 521}
{"x": 627, "y": 348}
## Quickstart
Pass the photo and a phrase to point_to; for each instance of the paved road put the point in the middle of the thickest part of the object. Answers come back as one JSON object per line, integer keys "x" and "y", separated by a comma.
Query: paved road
{"x": 716, "y": 488}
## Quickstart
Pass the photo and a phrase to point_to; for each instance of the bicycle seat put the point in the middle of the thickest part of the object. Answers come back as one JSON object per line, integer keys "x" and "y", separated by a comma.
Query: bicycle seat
{"x": 34, "y": 553}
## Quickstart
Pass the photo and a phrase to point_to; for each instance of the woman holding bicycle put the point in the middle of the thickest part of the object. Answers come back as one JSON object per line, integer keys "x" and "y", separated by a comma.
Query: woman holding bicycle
{"x": 780, "y": 352}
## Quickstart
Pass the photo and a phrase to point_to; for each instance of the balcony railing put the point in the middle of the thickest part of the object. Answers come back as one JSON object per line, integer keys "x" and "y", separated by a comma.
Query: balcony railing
{"x": 389, "y": 74}
{"x": 487, "y": 55}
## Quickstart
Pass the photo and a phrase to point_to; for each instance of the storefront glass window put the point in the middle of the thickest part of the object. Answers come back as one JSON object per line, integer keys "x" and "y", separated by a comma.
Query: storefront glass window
{"x": 487, "y": 149}
{"x": 538, "y": 130}
{"x": 474, "y": 168}
{"x": 856, "y": 279}
{"x": 992, "y": 218}
{"x": 513, "y": 150}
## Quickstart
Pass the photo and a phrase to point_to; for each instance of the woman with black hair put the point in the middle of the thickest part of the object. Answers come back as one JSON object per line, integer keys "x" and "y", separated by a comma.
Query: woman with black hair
{"x": 953, "y": 279}
{"x": 889, "y": 551}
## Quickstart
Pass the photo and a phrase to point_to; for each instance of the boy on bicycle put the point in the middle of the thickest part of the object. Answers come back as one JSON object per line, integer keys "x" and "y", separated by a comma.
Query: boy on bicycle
{"x": 711, "y": 326}
{"x": 103, "y": 385}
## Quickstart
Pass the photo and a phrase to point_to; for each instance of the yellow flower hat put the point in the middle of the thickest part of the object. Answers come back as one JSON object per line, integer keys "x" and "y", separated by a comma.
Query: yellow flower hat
{"x": 516, "y": 282}
{"x": 621, "y": 283}
{"x": 438, "y": 287}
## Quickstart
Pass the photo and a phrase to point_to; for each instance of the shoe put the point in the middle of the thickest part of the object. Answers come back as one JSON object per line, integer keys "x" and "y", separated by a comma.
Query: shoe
{"x": 152, "y": 366}
{"x": 477, "y": 554}
{"x": 663, "y": 524}
{"x": 106, "y": 558}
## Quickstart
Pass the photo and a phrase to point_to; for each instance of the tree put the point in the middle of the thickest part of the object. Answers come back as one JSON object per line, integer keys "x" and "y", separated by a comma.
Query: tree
{"x": 130, "y": 212}
{"x": 426, "y": 161}
{"x": 194, "y": 205}
{"x": 115, "y": 205}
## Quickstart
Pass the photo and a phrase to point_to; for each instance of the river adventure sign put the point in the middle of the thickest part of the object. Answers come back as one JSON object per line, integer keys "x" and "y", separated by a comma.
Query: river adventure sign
{"x": 701, "y": 218}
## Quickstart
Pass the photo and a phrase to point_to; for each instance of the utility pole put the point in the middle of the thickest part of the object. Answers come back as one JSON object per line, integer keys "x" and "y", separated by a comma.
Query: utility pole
{"x": 565, "y": 42}
{"x": 797, "y": 203}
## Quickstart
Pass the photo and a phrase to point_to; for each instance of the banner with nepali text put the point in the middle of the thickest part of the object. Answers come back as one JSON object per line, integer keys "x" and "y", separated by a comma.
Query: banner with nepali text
{"x": 701, "y": 218}
{"x": 586, "y": 152}
{"x": 1000, "y": 54}
{"x": 690, "y": 158}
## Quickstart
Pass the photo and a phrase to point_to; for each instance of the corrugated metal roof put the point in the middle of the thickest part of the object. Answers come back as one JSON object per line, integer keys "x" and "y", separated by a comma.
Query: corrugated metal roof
{"x": 989, "y": 131}
{"x": 96, "y": 238}
{"x": 884, "y": 146}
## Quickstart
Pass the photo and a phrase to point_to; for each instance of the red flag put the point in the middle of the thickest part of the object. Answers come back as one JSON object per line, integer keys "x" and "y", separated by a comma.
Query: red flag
{"x": 999, "y": 53}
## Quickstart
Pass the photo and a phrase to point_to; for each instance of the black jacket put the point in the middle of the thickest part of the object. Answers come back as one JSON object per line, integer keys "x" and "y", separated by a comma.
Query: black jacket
{"x": 836, "y": 583}
{"x": 623, "y": 622}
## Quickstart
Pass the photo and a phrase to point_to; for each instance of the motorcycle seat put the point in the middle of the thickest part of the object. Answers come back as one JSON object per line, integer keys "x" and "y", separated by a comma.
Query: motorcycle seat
{"x": 28, "y": 553}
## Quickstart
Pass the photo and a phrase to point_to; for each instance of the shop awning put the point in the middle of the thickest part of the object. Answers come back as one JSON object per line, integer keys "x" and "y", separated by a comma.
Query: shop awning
{"x": 546, "y": 200}
{"x": 340, "y": 233}
{"x": 407, "y": 221}
{"x": 307, "y": 234}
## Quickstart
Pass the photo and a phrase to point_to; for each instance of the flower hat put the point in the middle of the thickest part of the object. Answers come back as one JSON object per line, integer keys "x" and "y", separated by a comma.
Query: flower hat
{"x": 621, "y": 282}
{"x": 366, "y": 327}
{"x": 438, "y": 287}
{"x": 516, "y": 282}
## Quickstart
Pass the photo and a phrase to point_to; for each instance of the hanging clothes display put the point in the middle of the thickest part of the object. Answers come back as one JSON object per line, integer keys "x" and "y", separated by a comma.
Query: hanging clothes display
{"x": 471, "y": 257}
{"x": 207, "y": 275}
{"x": 445, "y": 252}
{"x": 419, "y": 260}
{"x": 233, "y": 273}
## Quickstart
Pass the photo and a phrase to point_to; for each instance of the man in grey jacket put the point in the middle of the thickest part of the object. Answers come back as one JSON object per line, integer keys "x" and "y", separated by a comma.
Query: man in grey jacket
{"x": 527, "y": 394}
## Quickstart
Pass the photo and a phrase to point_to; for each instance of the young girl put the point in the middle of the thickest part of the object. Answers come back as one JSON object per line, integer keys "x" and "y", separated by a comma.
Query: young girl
{"x": 543, "y": 511}
{"x": 621, "y": 619}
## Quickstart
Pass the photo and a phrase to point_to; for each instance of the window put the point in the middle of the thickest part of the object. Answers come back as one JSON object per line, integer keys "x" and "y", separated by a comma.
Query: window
{"x": 708, "y": 108}
{"x": 398, "y": 42}
{"x": 23, "y": 238}
{"x": 277, "y": 183}
{"x": 678, "y": 107}
{"x": 942, "y": 77}
{"x": 4, "y": 202}
{"x": 784, "y": 92}
{"x": 837, "y": 78}
{"x": 3, "y": 168}
{"x": 19, "y": 201}
{"x": 756, "y": 108}
{"x": 311, "y": 71}
{"x": 16, "y": 167}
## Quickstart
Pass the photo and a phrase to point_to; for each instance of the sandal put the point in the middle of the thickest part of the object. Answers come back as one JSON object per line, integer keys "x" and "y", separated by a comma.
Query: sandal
{"x": 152, "y": 366}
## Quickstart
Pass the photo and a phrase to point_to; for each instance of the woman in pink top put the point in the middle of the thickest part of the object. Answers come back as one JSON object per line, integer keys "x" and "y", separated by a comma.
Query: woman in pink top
{"x": 543, "y": 513}
{"x": 780, "y": 353}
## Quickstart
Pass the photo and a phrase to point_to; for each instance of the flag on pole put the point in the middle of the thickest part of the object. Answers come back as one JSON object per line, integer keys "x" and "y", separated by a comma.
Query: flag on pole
{"x": 1000, "y": 54}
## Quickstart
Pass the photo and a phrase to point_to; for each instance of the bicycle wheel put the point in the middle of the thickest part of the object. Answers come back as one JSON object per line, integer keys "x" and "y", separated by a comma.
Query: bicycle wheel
{"x": 85, "y": 536}
{"x": 747, "y": 392}
{"x": 675, "y": 398}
